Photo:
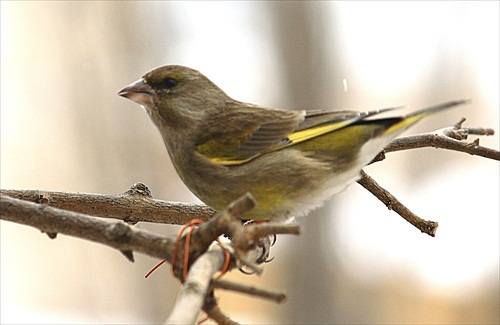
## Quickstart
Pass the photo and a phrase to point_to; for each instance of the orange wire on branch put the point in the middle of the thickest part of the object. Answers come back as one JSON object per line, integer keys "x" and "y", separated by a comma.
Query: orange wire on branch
{"x": 191, "y": 225}
{"x": 154, "y": 268}
{"x": 177, "y": 245}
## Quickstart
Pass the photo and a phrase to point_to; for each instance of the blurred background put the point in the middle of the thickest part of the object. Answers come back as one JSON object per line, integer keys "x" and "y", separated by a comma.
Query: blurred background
{"x": 64, "y": 128}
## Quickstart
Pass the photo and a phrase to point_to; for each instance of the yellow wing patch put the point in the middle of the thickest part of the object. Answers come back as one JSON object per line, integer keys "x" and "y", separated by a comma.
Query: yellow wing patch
{"x": 405, "y": 123}
{"x": 307, "y": 134}
{"x": 294, "y": 138}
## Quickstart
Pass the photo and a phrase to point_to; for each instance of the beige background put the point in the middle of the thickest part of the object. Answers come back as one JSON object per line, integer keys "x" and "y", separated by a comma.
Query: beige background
{"x": 64, "y": 128}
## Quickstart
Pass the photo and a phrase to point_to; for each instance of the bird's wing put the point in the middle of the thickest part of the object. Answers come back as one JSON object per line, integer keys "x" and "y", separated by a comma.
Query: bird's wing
{"x": 249, "y": 133}
{"x": 318, "y": 122}
{"x": 252, "y": 131}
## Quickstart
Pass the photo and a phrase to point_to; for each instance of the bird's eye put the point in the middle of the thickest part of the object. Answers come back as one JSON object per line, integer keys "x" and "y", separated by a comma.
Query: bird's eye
{"x": 169, "y": 83}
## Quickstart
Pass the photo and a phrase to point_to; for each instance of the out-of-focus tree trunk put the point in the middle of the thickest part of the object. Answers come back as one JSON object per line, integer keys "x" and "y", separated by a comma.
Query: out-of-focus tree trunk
{"x": 304, "y": 70}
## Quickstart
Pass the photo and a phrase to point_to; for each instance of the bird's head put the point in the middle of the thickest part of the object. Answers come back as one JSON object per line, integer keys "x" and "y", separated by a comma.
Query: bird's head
{"x": 176, "y": 96}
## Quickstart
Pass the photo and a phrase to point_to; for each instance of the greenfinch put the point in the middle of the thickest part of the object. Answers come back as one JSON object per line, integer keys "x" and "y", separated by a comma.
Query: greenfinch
{"x": 290, "y": 161}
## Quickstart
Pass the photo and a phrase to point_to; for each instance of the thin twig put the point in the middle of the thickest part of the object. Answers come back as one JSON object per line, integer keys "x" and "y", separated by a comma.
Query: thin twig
{"x": 277, "y": 297}
{"x": 447, "y": 138}
{"x": 212, "y": 309}
{"x": 428, "y": 227}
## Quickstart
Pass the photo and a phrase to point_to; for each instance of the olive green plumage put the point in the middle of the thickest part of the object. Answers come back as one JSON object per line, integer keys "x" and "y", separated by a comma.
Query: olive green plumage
{"x": 291, "y": 161}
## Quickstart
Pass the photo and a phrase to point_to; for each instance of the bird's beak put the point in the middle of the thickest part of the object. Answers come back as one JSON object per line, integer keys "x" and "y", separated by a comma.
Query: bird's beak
{"x": 139, "y": 91}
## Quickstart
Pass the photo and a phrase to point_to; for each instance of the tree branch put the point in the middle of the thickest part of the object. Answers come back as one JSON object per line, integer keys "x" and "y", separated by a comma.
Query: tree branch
{"x": 277, "y": 297}
{"x": 245, "y": 247}
{"x": 192, "y": 296}
{"x": 249, "y": 244}
{"x": 115, "y": 234}
{"x": 425, "y": 226}
{"x": 133, "y": 206}
{"x": 127, "y": 239}
{"x": 214, "y": 312}
{"x": 447, "y": 138}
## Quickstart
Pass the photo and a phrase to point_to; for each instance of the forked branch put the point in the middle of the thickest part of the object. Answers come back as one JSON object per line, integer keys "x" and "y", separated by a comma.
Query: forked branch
{"x": 74, "y": 214}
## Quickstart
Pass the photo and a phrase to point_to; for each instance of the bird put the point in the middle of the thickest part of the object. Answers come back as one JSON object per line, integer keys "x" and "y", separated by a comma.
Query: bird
{"x": 291, "y": 161}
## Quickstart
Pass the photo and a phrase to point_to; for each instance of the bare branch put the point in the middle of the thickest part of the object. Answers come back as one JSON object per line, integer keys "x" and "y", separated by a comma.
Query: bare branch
{"x": 428, "y": 227}
{"x": 249, "y": 244}
{"x": 194, "y": 289}
{"x": 133, "y": 206}
{"x": 127, "y": 239}
{"x": 247, "y": 250}
{"x": 214, "y": 312}
{"x": 277, "y": 297}
{"x": 447, "y": 138}
{"x": 247, "y": 240}
{"x": 112, "y": 233}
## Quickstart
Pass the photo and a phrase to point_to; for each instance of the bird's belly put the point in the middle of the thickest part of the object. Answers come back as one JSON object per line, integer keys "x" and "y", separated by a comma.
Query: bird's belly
{"x": 285, "y": 184}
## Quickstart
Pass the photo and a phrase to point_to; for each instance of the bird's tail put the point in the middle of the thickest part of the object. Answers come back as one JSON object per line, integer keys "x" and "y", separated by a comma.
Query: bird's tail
{"x": 414, "y": 117}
